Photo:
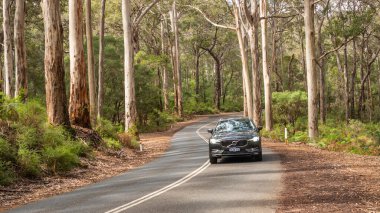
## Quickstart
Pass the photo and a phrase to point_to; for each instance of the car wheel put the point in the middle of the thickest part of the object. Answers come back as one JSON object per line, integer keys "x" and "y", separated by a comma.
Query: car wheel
{"x": 259, "y": 157}
{"x": 213, "y": 160}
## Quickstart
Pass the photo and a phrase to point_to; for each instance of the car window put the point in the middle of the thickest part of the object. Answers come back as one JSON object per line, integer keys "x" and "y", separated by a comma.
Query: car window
{"x": 240, "y": 125}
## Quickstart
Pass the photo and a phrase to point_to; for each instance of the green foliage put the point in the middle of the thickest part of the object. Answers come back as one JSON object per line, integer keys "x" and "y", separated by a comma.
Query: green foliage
{"x": 288, "y": 106}
{"x": 107, "y": 129}
{"x": 112, "y": 143}
{"x": 62, "y": 157}
{"x": 193, "y": 106}
{"x": 7, "y": 175}
{"x": 29, "y": 162}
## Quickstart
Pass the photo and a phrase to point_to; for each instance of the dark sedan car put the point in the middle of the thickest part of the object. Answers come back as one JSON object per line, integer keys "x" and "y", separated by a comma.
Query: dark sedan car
{"x": 235, "y": 137}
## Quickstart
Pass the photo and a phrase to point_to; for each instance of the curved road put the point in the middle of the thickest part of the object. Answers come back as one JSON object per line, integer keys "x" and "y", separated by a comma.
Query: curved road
{"x": 181, "y": 180}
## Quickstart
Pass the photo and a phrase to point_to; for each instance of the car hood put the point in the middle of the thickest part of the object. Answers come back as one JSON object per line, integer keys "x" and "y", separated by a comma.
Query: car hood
{"x": 235, "y": 135}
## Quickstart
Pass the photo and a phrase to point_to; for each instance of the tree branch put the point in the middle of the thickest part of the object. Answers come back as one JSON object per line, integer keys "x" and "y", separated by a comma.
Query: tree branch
{"x": 144, "y": 12}
{"x": 209, "y": 20}
{"x": 335, "y": 49}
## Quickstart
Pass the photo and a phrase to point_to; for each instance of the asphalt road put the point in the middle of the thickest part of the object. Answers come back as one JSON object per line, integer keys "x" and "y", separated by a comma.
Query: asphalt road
{"x": 181, "y": 180}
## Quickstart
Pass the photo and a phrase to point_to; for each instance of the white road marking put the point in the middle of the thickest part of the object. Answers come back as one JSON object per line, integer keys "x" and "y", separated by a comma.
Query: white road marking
{"x": 168, "y": 187}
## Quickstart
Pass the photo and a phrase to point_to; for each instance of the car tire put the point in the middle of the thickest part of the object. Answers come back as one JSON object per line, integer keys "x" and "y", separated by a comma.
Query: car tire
{"x": 259, "y": 157}
{"x": 213, "y": 160}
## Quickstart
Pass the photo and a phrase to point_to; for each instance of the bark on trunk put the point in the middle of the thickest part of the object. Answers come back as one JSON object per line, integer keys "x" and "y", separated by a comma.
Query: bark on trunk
{"x": 218, "y": 85}
{"x": 101, "y": 61}
{"x": 20, "y": 50}
{"x": 266, "y": 72}
{"x": 311, "y": 71}
{"x": 8, "y": 53}
{"x": 56, "y": 102}
{"x": 90, "y": 64}
{"x": 244, "y": 61}
{"x": 129, "y": 83}
{"x": 353, "y": 81}
{"x": 177, "y": 67}
{"x": 79, "y": 103}
{"x": 164, "y": 70}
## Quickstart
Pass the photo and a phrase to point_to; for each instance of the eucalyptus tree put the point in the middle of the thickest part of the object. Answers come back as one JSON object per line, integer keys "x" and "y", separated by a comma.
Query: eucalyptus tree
{"x": 79, "y": 103}
{"x": 56, "y": 101}
{"x": 20, "y": 50}
{"x": 8, "y": 50}
{"x": 101, "y": 59}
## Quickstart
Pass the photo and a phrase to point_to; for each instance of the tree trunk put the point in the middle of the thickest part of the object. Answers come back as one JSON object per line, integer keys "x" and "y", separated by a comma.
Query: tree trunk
{"x": 129, "y": 83}
{"x": 244, "y": 61}
{"x": 56, "y": 102}
{"x": 177, "y": 67}
{"x": 266, "y": 72}
{"x": 8, "y": 53}
{"x": 79, "y": 105}
{"x": 164, "y": 70}
{"x": 311, "y": 71}
{"x": 90, "y": 64}
{"x": 253, "y": 34}
{"x": 101, "y": 61}
{"x": 197, "y": 57}
{"x": 346, "y": 84}
{"x": 353, "y": 81}
{"x": 20, "y": 50}
{"x": 218, "y": 86}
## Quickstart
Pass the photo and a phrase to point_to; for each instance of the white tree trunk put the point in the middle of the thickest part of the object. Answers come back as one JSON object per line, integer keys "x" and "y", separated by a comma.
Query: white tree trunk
{"x": 129, "y": 83}
{"x": 244, "y": 61}
{"x": 8, "y": 53}
{"x": 177, "y": 61}
{"x": 266, "y": 72}
{"x": 311, "y": 71}
{"x": 164, "y": 70}
{"x": 101, "y": 60}
{"x": 90, "y": 63}
{"x": 20, "y": 50}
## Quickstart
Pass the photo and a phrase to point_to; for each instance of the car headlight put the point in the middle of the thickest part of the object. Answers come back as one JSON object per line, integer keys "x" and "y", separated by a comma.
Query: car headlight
{"x": 255, "y": 139}
{"x": 213, "y": 140}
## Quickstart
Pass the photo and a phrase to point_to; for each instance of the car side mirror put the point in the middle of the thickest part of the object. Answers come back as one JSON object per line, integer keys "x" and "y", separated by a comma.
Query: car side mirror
{"x": 210, "y": 131}
{"x": 260, "y": 128}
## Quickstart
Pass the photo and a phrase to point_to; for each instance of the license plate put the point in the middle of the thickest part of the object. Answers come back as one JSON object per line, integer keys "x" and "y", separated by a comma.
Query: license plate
{"x": 234, "y": 149}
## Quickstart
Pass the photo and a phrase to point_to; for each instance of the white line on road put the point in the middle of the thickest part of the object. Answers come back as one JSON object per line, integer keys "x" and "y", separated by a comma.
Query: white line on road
{"x": 168, "y": 187}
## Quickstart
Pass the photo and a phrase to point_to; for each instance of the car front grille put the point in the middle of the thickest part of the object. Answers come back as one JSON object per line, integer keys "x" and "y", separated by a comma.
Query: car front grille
{"x": 231, "y": 142}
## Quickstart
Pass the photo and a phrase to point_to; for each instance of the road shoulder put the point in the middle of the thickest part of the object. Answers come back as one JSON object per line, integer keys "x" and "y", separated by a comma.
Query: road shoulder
{"x": 323, "y": 181}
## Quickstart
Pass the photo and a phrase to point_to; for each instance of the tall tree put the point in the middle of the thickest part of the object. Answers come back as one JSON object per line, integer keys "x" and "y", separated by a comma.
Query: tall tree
{"x": 266, "y": 72}
{"x": 101, "y": 60}
{"x": 165, "y": 78}
{"x": 177, "y": 65}
{"x": 79, "y": 103}
{"x": 311, "y": 71}
{"x": 129, "y": 83}
{"x": 252, "y": 15}
{"x": 90, "y": 63}
{"x": 56, "y": 102}
{"x": 20, "y": 49}
{"x": 8, "y": 52}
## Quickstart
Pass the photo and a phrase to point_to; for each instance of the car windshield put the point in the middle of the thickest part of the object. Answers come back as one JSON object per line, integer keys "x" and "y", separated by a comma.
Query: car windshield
{"x": 239, "y": 125}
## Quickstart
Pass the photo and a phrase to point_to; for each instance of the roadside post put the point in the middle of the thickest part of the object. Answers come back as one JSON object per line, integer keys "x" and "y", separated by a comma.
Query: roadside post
{"x": 286, "y": 136}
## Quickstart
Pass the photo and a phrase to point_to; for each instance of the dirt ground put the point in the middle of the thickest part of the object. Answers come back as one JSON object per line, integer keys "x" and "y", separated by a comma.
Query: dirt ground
{"x": 323, "y": 181}
{"x": 102, "y": 166}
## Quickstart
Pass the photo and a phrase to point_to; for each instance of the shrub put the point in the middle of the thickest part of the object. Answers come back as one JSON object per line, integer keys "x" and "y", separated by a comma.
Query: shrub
{"x": 31, "y": 114}
{"x": 107, "y": 129}
{"x": 29, "y": 162}
{"x": 112, "y": 144}
{"x": 62, "y": 157}
{"x": 7, "y": 175}
{"x": 7, "y": 152}
{"x": 128, "y": 140}
{"x": 27, "y": 137}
